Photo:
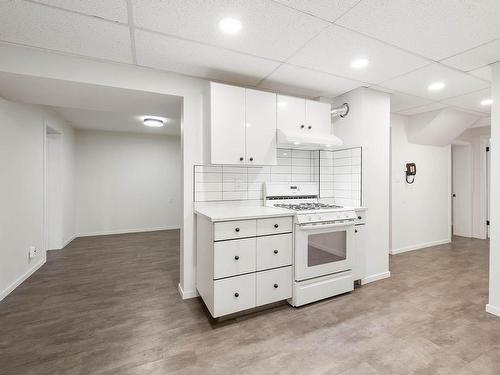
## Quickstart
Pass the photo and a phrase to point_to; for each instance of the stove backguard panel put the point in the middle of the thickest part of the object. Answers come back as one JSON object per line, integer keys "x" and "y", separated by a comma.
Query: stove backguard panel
{"x": 338, "y": 174}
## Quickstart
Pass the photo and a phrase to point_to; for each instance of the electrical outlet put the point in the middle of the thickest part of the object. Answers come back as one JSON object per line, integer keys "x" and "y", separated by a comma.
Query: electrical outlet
{"x": 32, "y": 252}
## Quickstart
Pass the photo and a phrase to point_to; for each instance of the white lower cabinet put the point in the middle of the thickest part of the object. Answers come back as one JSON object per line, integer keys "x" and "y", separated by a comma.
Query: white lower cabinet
{"x": 240, "y": 269}
{"x": 274, "y": 285}
{"x": 234, "y": 294}
{"x": 359, "y": 256}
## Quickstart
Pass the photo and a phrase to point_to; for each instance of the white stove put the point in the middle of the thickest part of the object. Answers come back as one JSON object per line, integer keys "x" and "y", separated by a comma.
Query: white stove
{"x": 323, "y": 241}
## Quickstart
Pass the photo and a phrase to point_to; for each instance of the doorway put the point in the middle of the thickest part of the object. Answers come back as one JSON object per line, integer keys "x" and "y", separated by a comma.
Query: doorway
{"x": 462, "y": 190}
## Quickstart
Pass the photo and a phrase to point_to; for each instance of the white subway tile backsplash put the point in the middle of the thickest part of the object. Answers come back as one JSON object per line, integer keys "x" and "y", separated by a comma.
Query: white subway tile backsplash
{"x": 337, "y": 172}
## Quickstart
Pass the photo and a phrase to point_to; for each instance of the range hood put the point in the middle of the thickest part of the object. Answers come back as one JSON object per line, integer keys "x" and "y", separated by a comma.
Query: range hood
{"x": 288, "y": 138}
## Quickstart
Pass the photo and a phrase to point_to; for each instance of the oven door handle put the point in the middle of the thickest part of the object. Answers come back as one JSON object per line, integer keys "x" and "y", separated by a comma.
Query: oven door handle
{"x": 306, "y": 227}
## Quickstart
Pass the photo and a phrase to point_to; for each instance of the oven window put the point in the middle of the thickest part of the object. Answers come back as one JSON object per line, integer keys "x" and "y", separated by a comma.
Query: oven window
{"x": 326, "y": 248}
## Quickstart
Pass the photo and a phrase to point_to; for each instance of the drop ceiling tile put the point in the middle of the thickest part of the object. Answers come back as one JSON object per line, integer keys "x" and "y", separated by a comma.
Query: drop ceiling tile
{"x": 416, "y": 82}
{"x": 335, "y": 48}
{"x": 483, "y": 73}
{"x": 471, "y": 101}
{"x": 435, "y": 29}
{"x": 326, "y": 9}
{"x": 475, "y": 58}
{"x": 401, "y": 102}
{"x": 425, "y": 108}
{"x": 114, "y": 10}
{"x": 300, "y": 81}
{"x": 195, "y": 59}
{"x": 270, "y": 30}
{"x": 59, "y": 30}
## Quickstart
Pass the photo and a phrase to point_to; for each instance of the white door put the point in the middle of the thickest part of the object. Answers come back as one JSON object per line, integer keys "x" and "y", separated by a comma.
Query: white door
{"x": 291, "y": 113}
{"x": 260, "y": 127}
{"x": 462, "y": 190}
{"x": 227, "y": 124}
{"x": 318, "y": 119}
{"x": 488, "y": 173}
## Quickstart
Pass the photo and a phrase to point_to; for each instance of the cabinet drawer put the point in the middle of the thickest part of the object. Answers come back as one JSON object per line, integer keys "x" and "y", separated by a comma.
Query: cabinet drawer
{"x": 234, "y": 294}
{"x": 274, "y": 251}
{"x": 234, "y": 257}
{"x": 274, "y": 285}
{"x": 234, "y": 229}
{"x": 274, "y": 225}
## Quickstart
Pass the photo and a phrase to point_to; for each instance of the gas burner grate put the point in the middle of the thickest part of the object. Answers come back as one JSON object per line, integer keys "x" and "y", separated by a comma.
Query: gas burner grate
{"x": 306, "y": 206}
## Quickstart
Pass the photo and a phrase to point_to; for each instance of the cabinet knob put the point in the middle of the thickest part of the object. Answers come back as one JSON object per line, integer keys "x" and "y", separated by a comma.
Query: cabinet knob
{"x": 275, "y": 285}
{"x": 236, "y": 257}
{"x": 275, "y": 251}
{"x": 302, "y": 126}
{"x": 276, "y": 225}
{"x": 251, "y": 159}
{"x": 309, "y": 127}
{"x": 237, "y": 229}
{"x": 241, "y": 158}
{"x": 236, "y": 294}
{"x": 355, "y": 231}
{"x": 359, "y": 217}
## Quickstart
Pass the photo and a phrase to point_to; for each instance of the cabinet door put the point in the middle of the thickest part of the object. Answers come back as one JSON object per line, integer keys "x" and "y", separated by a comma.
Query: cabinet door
{"x": 318, "y": 119}
{"x": 260, "y": 127}
{"x": 227, "y": 124}
{"x": 359, "y": 252}
{"x": 291, "y": 113}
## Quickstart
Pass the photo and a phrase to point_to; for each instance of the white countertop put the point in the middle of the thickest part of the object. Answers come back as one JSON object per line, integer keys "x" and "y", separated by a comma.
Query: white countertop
{"x": 217, "y": 211}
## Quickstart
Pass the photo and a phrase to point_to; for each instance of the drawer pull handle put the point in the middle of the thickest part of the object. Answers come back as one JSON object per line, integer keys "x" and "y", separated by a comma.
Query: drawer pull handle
{"x": 359, "y": 217}
{"x": 309, "y": 127}
{"x": 236, "y": 257}
{"x": 236, "y": 294}
{"x": 355, "y": 231}
{"x": 276, "y": 285}
{"x": 237, "y": 229}
{"x": 251, "y": 159}
{"x": 276, "y": 225}
{"x": 241, "y": 158}
{"x": 276, "y": 251}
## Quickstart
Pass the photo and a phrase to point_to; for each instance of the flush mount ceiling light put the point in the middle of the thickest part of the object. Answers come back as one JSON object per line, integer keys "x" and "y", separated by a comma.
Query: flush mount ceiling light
{"x": 154, "y": 122}
{"x": 435, "y": 86}
{"x": 486, "y": 102}
{"x": 359, "y": 63}
{"x": 230, "y": 25}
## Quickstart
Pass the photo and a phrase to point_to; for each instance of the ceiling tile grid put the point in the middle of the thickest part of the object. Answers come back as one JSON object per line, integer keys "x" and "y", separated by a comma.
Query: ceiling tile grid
{"x": 296, "y": 46}
{"x": 195, "y": 59}
{"x": 269, "y": 29}
{"x": 113, "y": 10}
{"x": 63, "y": 31}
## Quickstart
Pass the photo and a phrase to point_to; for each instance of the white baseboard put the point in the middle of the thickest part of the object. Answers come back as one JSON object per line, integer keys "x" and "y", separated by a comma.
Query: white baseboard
{"x": 418, "y": 247}
{"x": 124, "y": 231}
{"x": 185, "y": 294}
{"x": 4, "y": 293}
{"x": 376, "y": 277}
{"x": 64, "y": 244}
{"x": 493, "y": 309}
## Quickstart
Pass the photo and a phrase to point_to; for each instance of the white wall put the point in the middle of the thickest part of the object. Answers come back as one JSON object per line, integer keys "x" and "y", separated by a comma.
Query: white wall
{"x": 22, "y": 189}
{"x": 368, "y": 125}
{"x": 494, "y": 298}
{"x": 420, "y": 212}
{"x": 477, "y": 137}
{"x": 127, "y": 182}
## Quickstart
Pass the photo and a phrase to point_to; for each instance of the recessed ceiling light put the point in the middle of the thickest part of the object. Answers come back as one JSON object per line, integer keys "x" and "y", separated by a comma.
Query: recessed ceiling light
{"x": 282, "y": 104}
{"x": 230, "y": 25}
{"x": 328, "y": 145}
{"x": 435, "y": 86}
{"x": 486, "y": 102}
{"x": 154, "y": 122}
{"x": 359, "y": 63}
{"x": 296, "y": 143}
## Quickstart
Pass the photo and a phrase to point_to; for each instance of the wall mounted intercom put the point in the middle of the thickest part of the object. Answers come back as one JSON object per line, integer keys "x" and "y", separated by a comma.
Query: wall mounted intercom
{"x": 411, "y": 171}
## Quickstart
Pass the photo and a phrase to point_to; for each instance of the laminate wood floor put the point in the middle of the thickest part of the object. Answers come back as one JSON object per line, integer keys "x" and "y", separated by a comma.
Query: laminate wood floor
{"x": 109, "y": 305}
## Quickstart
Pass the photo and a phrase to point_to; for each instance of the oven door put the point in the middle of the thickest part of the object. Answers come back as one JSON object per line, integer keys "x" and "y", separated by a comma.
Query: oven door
{"x": 322, "y": 249}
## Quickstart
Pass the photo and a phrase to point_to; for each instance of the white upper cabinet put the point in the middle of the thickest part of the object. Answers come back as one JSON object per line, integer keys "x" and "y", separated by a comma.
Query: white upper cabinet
{"x": 243, "y": 126}
{"x": 260, "y": 127}
{"x": 291, "y": 113}
{"x": 318, "y": 119}
{"x": 227, "y": 120}
{"x": 308, "y": 116}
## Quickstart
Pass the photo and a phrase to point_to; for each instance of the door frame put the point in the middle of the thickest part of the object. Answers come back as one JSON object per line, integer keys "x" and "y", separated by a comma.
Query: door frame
{"x": 484, "y": 141}
{"x": 470, "y": 202}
